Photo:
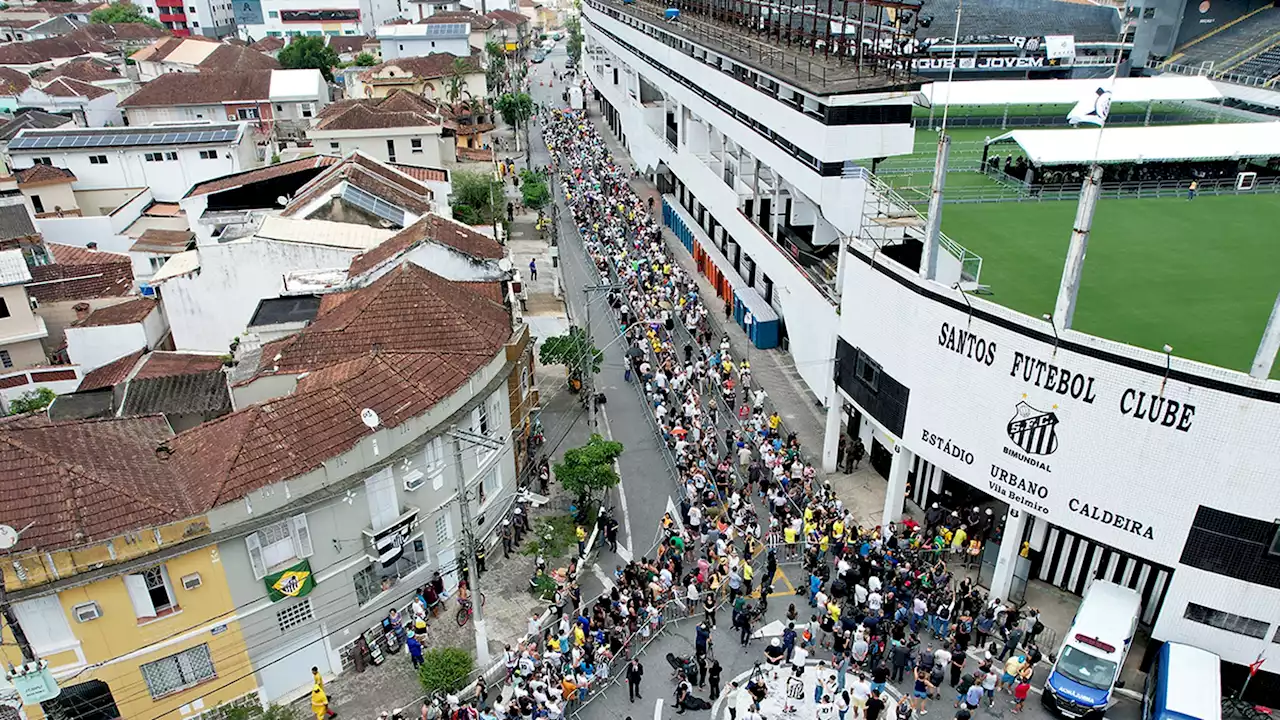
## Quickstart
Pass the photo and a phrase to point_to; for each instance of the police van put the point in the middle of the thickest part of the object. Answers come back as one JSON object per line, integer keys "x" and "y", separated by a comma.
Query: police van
{"x": 1086, "y": 672}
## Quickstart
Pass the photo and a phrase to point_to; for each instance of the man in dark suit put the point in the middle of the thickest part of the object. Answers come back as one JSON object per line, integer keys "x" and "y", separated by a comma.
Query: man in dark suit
{"x": 635, "y": 671}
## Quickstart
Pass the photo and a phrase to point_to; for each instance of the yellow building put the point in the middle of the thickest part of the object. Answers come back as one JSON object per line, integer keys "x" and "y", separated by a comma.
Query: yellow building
{"x": 111, "y": 580}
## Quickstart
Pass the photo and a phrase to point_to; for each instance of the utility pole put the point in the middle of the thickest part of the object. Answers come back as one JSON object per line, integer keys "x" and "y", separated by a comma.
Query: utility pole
{"x": 469, "y": 547}
{"x": 588, "y": 355}
{"x": 11, "y": 619}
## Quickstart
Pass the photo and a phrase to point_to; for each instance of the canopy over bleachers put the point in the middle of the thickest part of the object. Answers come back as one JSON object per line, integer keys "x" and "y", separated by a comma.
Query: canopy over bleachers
{"x": 1164, "y": 88}
{"x": 1165, "y": 143}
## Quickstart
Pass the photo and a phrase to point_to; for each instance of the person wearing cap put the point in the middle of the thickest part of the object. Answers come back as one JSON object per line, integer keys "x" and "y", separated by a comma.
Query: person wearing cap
{"x": 320, "y": 702}
{"x": 773, "y": 654}
{"x": 319, "y": 682}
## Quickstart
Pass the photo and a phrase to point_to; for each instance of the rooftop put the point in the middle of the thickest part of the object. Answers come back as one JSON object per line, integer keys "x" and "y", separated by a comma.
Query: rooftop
{"x": 282, "y": 310}
{"x": 122, "y": 33}
{"x": 202, "y": 88}
{"x": 74, "y": 138}
{"x": 13, "y": 268}
{"x": 163, "y": 242}
{"x": 41, "y": 174}
{"x": 430, "y": 229}
{"x": 477, "y": 22}
{"x": 422, "y": 67}
{"x": 111, "y": 374}
{"x": 72, "y": 88}
{"x": 441, "y": 30}
{"x": 35, "y": 52}
{"x": 86, "y": 70}
{"x": 15, "y": 222}
{"x": 342, "y": 44}
{"x": 268, "y": 44}
{"x": 125, "y": 313}
{"x": 381, "y": 187}
{"x": 270, "y": 172}
{"x": 507, "y": 17}
{"x": 13, "y": 81}
{"x": 831, "y": 69}
{"x": 38, "y": 119}
{"x": 400, "y": 109}
{"x": 78, "y": 273}
{"x": 321, "y": 232}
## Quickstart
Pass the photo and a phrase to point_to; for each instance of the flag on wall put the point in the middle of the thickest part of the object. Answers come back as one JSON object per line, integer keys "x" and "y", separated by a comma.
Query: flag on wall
{"x": 1093, "y": 109}
{"x": 293, "y": 581}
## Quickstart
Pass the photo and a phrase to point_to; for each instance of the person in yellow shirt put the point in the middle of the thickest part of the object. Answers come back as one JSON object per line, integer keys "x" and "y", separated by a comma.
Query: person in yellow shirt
{"x": 834, "y": 610}
{"x": 958, "y": 539}
{"x": 319, "y": 702}
{"x": 747, "y": 574}
{"x": 837, "y": 529}
{"x": 579, "y": 637}
{"x": 582, "y": 541}
{"x": 774, "y": 421}
{"x": 789, "y": 538}
{"x": 319, "y": 682}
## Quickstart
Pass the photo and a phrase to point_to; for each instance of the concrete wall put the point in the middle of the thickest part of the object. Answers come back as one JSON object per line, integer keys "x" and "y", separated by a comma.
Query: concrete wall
{"x": 435, "y": 152}
{"x": 233, "y": 277}
{"x": 399, "y": 47}
{"x": 58, "y": 316}
{"x": 25, "y": 354}
{"x": 53, "y": 197}
{"x": 21, "y": 320}
{"x": 93, "y": 347}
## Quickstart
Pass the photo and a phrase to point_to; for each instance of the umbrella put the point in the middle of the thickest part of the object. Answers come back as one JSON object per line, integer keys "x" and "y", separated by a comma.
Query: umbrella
{"x": 634, "y": 352}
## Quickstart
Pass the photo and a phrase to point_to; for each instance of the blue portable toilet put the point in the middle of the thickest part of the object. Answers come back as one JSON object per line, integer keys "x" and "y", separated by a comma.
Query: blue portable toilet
{"x": 671, "y": 14}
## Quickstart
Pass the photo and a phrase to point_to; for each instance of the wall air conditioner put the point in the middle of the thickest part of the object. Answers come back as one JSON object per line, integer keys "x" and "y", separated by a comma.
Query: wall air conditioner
{"x": 414, "y": 479}
{"x": 192, "y": 581}
{"x": 87, "y": 611}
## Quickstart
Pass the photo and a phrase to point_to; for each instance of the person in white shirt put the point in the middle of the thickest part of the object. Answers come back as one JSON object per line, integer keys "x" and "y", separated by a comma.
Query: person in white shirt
{"x": 875, "y": 601}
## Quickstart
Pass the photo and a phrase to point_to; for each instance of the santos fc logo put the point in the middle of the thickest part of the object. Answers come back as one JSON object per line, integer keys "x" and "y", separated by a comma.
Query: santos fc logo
{"x": 1035, "y": 431}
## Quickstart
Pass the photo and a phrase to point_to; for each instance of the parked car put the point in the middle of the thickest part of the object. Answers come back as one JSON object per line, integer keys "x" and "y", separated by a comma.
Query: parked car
{"x": 539, "y": 56}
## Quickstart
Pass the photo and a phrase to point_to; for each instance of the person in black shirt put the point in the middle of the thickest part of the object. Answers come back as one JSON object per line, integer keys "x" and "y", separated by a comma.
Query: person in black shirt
{"x": 957, "y": 664}
{"x": 875, "y": 706}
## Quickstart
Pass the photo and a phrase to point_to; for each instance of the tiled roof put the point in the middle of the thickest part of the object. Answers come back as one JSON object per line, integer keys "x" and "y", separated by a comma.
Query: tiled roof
{"x": 166, "y": 46}
{"x": 372, "y": 177}
{"x": 13, "y": 81}
{"x": 202, "y": 88}
{"x": 422, "y": 173}
{"x": 478, "y": 22}
{"x": 399, "y": 109}
{"x": 15, "y": 222}
{"x": 79, "y": 255}
{"x": 398, "y": 347}
{"x": 122, "y": 32}
{"x": 68, "y": 87}
{"x": 37, "y": 119}
{"x": 429, "y": 67}
{"x": 240, "y": 179}
{"x": 155, "y": 240}
{"x": 508, "y": 17}
{"x": 19, "y": 24}
{"x": 13, "y": 268}
{"x": 76, "y": 482}
{"x": 197, "y": 392}
{"x": 234, "y": 58}
{"x": 268, "y": 44}
{"x": 41, "y": 174}
{"x": 58, "y": 7}
{"x": 125, "y": 313}
{"x": 348, "y": 43}
{"x": 431, "y": 228}
{"x": 81, "y": 274}
{"x": 83, "y": 70}
{"x": 111, "y": 374}
{"x": 34, "y": 52}
{"x": 168, "y": 364}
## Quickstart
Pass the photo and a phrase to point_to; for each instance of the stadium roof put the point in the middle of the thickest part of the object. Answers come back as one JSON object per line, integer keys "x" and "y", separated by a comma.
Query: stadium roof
{"x": 1162, "y": 143}
{"x": 82, "y": 138}
{"x": 1068, "y": 92}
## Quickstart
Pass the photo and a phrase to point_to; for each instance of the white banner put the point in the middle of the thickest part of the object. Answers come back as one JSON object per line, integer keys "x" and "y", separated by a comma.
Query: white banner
{"x": 1060, "y": 47}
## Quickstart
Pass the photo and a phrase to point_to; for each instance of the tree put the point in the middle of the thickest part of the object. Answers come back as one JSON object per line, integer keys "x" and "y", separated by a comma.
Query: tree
{"x": 574, "y": 44}
{"x": 445, "y": 670}
{"x": 364, "y": 59}
{"x": 122, "y": 11}
{"x": 308, "y": 51}
{"x": 533, "y": 189}
{"x": 588, "y": 470}
{"x": 516, "y": 109}
{"x": 31, "y": 401}
{"x": 573, "y": 349}
{"x": 497, "y": 66}
{"x": 456, "y": 83}
{"x": 476, "y": 197}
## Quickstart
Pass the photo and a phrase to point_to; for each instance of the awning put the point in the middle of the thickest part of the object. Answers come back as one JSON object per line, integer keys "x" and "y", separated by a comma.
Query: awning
{"x": 1067, "y": 92}
{"x": 1161, "y": 143}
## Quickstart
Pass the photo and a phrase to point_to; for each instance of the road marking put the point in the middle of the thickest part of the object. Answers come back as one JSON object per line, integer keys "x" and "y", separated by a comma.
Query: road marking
{"x": 622, "y": 490}
{"x": 657, "y": 710}
{"x": 605, "y": 580}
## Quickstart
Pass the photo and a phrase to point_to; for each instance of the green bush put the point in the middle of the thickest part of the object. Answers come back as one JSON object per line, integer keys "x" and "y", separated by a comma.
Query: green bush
{"x": 31, "y": 401}
{"x": 445, "y": 670}
{"x": 255, "y": 712}
{"x": 552, "y": 537}
{"x": 544, "y": 587}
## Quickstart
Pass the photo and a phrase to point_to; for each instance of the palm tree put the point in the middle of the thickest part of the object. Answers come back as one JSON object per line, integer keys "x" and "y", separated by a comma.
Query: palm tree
{"x": 516, "y": 108}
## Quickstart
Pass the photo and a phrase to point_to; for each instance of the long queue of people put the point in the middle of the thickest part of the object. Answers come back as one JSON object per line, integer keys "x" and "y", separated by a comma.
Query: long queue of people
{"x": 883, "y": 601}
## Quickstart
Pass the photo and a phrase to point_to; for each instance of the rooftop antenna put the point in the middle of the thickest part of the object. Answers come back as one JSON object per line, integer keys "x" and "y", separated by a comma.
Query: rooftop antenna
{"x": 933, "y": 222}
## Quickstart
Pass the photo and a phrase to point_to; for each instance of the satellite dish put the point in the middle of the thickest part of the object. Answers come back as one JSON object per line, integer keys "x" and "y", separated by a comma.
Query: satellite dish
{"x": 505, "y": 264}
{"x": 282, "y": 201}
{"x": 8, "y": 537}
{"x": 370, "y": 418}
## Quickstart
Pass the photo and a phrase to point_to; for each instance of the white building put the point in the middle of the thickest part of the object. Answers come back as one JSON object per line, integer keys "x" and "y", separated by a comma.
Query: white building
{"x": 399, "y": 41}
{"x": 192, "y": 18}
{"x": 399, "y": 128}
{"x": 765, "y": 163}
{"x": 190, "y": 55}
{"x": 167, "y": 158}
{"x": 89, "y": 105}
{"x": 291, "y": 18}
{"x": 110, "y": 333}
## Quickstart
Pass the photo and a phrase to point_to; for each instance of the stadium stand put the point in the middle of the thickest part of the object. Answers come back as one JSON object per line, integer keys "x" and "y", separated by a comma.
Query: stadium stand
{"x": 1021, "y": 18}
{"x": 1265, "y": 64}
{"x": 1232, "y": 48}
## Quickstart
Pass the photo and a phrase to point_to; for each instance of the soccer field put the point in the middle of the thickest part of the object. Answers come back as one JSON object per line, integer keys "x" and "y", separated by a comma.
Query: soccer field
{"x": 1201, "y": 276}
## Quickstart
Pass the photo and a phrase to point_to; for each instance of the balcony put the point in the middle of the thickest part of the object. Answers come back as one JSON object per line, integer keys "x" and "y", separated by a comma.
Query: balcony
{"x": 173, "y": 17}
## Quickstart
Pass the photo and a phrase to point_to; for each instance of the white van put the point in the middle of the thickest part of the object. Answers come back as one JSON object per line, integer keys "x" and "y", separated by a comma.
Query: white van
{"x": 1088, "y": 664}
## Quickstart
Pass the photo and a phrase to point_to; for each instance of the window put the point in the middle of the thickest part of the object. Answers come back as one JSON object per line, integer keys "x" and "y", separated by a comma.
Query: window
{"x": 97, "y": 159}
{"x": 391, "y": 150}
{"x": 434, "y": 459}
{"x": 208, "y": 154}
{"x": 415, "y": 146}
{"x": 171, "y": 155}
{"x": 37, "y": 203}
{"x": 151, "y": 10}
{"x": 868, "y": 371}
{"x": 1237, "y": 624}
{"x": 191, "y": 10}
{"x": 178, "y": 672}
{"x": 153, "y": 157}
{"x": 278, "y": 544}
{"x": 444, "y": 533}
{"x": 42, "y": 161}
{"x": 247, "y": 113}
{"x": 273, "y": 14}
{"x": 524, "y": 382}
{"x": 306, "y": 110}
{"x": 151, "y": 593}
{"x": 491, "y": 485}
{"x": 7, "y": 361}
{"x": 46, "y": 625}
{"x": 295, "y": 615}
{"x": 279, "y": 108}
{"x": 480, "y": 419}
{"x": 381, "y": 491}
{"x": 157, "y": 263}
{"x": 333, "y": 146}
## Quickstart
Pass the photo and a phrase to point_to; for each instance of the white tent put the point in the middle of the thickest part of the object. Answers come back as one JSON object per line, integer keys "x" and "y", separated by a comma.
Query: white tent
{"x": 1161, "y": 143}
{"x": 1068, "y": 92}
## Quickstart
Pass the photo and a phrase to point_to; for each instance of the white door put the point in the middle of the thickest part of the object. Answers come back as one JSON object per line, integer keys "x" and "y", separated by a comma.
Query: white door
{"x": 446, "y": 562}
{"x": 285, "y": 673}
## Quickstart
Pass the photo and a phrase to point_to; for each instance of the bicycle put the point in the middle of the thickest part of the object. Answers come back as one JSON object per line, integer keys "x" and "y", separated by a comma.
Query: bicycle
{"x": 465, "y": 610}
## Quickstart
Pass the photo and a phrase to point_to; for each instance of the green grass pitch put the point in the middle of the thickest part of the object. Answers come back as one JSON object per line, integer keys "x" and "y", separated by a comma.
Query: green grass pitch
{"x": 1199, "y": 275}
